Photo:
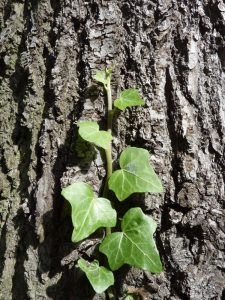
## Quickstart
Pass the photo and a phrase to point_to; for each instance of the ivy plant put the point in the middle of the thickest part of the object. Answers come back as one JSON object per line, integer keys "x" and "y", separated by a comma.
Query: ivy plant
{"x": 134, "y": 244}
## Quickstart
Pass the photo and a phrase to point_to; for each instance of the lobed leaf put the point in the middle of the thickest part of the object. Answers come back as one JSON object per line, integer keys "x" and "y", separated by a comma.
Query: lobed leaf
{"x": 88, "y": 213}
{"x": 129, "y": 97}
{"x": 134, "y": 245}
{"x": 136, "y": 174}
{"x": 99, "y": 277}
{"x": 89, "y": 131}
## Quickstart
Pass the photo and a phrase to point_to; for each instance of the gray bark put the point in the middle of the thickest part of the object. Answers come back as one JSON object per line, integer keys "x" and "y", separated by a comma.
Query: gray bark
{"x": 174, "y": 53}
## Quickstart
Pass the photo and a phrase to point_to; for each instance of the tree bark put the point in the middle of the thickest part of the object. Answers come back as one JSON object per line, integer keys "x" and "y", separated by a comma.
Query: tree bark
{"x": 174, "y": 53}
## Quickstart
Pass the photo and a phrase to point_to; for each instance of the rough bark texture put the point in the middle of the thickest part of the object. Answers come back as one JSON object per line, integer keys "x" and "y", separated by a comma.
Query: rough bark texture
{"x": 174, "y": 52}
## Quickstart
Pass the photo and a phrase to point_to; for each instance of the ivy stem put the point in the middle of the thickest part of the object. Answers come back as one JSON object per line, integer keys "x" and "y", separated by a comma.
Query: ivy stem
{"x": 108, "y": 154}
{"x": 109, "y": 96}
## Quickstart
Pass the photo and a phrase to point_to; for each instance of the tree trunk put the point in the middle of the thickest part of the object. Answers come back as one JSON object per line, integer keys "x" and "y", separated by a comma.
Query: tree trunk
{"x": 174, "y": 53}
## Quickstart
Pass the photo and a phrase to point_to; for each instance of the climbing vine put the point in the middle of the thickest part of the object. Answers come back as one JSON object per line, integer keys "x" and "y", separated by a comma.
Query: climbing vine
{"x": 134, "y": 243}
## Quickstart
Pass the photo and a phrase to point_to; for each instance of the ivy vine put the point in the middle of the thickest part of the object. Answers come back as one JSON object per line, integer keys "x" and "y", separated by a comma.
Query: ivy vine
{"x": 134, "y": 244}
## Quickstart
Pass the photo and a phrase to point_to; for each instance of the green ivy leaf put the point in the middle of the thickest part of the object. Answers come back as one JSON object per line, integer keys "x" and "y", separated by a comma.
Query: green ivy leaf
{"x": 103, "y": 76}
{"x": 99, "y": 277}
{"x": 129, "y": 97}
{"x": 134, "y": 245}
{"x": 136, "y": 174}
{"x": 90, "y": 132}
{"x": 88, "y": 213}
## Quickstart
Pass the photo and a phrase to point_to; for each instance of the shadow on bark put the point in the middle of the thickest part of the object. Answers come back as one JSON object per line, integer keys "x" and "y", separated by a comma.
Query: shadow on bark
{"x": 72, "y": 286}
